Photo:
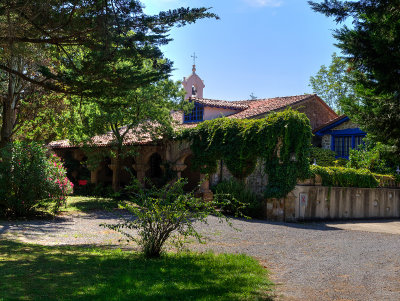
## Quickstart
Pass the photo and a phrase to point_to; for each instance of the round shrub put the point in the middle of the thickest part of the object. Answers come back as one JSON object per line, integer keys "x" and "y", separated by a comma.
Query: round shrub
{"x": 28, "y": 179}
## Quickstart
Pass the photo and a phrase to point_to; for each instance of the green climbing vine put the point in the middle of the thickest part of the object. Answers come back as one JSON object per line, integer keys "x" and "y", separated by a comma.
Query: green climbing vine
{"x": 281, "y": 140}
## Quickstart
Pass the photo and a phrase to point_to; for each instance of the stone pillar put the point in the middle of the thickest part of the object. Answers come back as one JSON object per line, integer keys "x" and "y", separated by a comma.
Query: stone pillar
{"x": 179, "y": 168}
{"x": 140, "y": 171}
{"x": 113, "y": 167}
{"x": 94, "y": 176}
{"x": 205, "y": 191}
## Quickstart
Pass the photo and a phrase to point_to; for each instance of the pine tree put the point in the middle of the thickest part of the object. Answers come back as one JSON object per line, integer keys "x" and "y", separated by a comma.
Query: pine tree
{"x": 89, "y": 48}
{"x": 371, "y": 46}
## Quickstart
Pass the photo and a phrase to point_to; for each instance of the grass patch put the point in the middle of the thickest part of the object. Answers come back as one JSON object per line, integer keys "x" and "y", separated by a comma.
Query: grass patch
{"x": 32, "y": 272}
{"x": 85, "y": 204}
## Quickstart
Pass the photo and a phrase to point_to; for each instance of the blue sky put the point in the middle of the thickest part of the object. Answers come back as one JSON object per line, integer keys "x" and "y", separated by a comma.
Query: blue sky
{"x": 266, "y": 47}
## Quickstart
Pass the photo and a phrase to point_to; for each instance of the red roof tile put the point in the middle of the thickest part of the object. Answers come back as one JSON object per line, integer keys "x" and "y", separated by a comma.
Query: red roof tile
{"x": 262, "y": 106}
{"x": 234, "y": 105}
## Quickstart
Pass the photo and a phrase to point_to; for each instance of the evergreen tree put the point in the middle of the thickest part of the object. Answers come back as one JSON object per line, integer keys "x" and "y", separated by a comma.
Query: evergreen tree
{"x": 371, "y": 46}
{"x": 89, "y": 48}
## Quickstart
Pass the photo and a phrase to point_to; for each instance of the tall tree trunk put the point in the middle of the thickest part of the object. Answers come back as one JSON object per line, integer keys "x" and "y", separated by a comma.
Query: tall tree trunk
{"x": 117, "y": 170}
{"x": 9, "y": 104}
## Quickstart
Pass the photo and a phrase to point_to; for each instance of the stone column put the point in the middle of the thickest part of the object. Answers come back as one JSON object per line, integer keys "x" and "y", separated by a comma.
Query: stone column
{"x": 113, "y": 167}
{"x": 94, "y": 175}
{"x": 179, "y": 168}
{"x": 205, "y": 191}
{"x": 140, "y": 171}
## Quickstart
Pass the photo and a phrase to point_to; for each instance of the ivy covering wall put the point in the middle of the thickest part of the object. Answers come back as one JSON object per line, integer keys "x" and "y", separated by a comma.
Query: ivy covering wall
{"x": 282, "y": 140}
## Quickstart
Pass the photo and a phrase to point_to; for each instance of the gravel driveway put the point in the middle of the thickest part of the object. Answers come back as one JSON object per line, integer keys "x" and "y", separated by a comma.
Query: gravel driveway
{"x": 308, "y": 261}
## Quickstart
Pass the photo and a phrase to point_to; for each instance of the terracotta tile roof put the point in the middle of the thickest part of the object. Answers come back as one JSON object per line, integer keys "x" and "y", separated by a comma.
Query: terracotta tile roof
{"x": 262, "y": 106}
{"x": 234, "y": 105}
{"x": 138, "y": 136}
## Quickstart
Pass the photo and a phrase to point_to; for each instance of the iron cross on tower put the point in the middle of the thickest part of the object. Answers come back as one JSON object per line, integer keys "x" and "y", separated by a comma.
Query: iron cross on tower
{"x": 194, "y": 58}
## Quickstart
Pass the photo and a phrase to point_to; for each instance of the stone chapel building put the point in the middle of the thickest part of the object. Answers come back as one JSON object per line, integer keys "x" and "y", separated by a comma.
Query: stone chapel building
{"x": 152, "y": 155}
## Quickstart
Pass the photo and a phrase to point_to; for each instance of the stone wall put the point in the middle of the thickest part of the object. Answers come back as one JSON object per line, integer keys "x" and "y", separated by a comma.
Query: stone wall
{"x": 338, "y": 203}
{"x": 256, "y": 182}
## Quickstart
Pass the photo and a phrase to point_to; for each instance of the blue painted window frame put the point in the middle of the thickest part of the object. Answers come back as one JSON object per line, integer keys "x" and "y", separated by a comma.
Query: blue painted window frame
{"x": 341, "y": 134}
{"x": 196, "y": 115}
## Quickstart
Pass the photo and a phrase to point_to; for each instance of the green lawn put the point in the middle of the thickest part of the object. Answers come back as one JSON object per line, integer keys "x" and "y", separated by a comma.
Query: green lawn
{"x": 85, "y": 204}
{"x": 32, "y": 272}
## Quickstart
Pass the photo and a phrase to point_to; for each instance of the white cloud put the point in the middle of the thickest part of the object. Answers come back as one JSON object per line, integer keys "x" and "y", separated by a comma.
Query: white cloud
{"x": 262, "y": 3}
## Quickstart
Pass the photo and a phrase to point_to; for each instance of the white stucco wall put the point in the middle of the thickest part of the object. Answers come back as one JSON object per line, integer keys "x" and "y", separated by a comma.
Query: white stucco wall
{"x": 212, "y": 113}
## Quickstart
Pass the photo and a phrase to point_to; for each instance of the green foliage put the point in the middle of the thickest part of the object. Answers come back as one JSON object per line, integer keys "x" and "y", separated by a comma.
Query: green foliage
{"x": 332, "y": 83}
{"x": 323, "y": 157}
{"x": 161, "y": 211}
{"x": 234, "y": 198}
{"x": 370, "y": 45}
{"x": 89, "y": 48}
{"x": 104, "y": 274}
{"x": 281, "y": 140}
{"x": 371, "y": 158}
{"x": 28, "y": 177}
{"x": 345, "y": 177}
{"x": 143, "y": 113}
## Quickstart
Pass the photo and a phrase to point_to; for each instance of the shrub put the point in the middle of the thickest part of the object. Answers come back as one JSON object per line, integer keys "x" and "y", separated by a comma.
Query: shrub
{"x": 345, "y": 177}
{"x": 161, "y": 211}
{"x": 234, "y": 198}
{"x": 323, "y": 157}
{"x": 370, "y": 157}
{"x": 28, "y": 177}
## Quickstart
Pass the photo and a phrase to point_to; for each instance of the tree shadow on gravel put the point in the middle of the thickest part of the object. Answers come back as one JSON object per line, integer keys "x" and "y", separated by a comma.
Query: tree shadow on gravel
{"x": 32, "y": 272}
{"x": 308, "y": 225}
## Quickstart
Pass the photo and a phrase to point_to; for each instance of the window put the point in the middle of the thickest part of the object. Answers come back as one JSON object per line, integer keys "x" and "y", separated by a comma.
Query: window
{"x": 358, "y": 140}
{"x": 343, "y": 144}
{"x": 196, "y": 114}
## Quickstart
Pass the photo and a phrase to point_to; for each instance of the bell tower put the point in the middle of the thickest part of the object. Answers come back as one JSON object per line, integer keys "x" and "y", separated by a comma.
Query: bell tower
{"x": 193, "y": 84}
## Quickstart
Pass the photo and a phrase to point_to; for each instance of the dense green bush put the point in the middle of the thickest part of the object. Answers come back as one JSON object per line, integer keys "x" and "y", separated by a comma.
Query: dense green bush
{"x": 325, "y": 157}
{"x": 345, "y": 177}
{"x": 281, "y": 140}
{"x": 28, "y": 178}
{"x": 234, "y": 198}
{"x": 372, "y": 157}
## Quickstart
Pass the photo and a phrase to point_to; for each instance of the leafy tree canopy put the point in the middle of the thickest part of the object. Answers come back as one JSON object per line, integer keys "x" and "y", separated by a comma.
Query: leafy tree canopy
{"x": 371, "y": 46}
{"x": 90, "y": 48}
{"x": 333, "y": 83}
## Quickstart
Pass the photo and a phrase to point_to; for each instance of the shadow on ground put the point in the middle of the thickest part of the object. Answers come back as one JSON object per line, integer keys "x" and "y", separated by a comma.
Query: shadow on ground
{"x": 32, "y": 272}
{"x": 311, "y": 225}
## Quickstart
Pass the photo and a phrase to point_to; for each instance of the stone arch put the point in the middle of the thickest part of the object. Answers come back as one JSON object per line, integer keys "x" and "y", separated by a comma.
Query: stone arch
{"x": 183, "y": 155}
{"x": 193, "y": 176}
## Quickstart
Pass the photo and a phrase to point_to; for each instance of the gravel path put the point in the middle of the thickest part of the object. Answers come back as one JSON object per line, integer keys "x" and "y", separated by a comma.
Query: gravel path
{"x": 308, "y": 261}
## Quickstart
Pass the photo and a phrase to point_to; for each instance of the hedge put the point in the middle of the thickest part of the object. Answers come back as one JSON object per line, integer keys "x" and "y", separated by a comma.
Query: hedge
{"x": 345, "y": 177}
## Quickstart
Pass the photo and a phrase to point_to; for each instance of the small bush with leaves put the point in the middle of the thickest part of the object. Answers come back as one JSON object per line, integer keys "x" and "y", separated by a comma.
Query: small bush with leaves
{"x": 323, "y": 157}
{"x": 370, "y": 156}
{"x": 28, "y": 178}
{"x": 160, "y": 212}
{"x": 234, "y": 198}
